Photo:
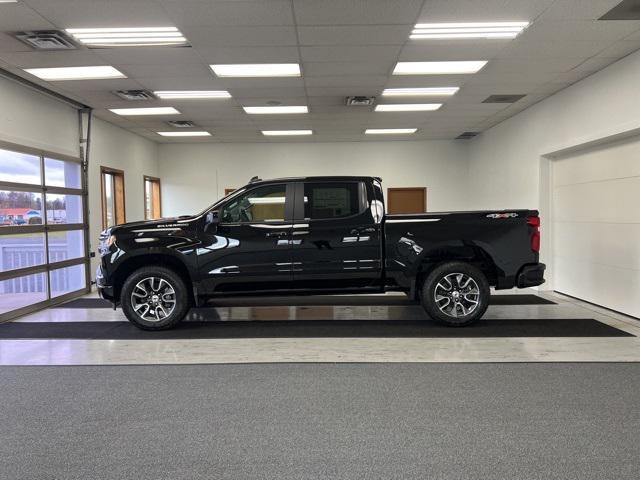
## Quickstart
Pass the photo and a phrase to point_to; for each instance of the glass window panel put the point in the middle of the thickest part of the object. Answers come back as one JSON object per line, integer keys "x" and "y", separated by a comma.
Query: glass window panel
{"x": 109, "y": 200}
{"x": 22, "y": 291}
{"x": 330, "y": 200}
{"x": 68, "y": 279}
{"x": 64, "y": 209}
{"x": 20, "y": 208}
{"x": 262, "y": 204}
{"x": 66, "y": 245}
{"x": 21, "y": 250}
{"x": 19, "y": 167}
{"x": 60, "y": 173}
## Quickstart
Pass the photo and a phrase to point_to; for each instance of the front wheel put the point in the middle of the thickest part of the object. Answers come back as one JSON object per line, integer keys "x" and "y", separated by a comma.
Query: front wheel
{"x": 154, "y": 298}
{"x": 455, "y": 294}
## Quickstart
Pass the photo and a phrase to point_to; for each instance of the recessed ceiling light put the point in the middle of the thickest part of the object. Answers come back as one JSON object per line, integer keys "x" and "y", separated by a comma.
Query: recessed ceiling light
{"x": 182, "y": 94}
{"x": 419, "y": 92}
{"x": 438, "y": 68}
{"x": 127, "y": 37}
{"x": 281, "y": 109}
{"x": 145, "y": 111}
{"x": 184, "y": 134}
{"x": 257, "y": 70}
{"x": 468, "y": 30}
{"x": 76, "y": 73}
{"x": 278, "y": 133}
{"x": 389, "y": 131}
{"x": 408, "y": 107}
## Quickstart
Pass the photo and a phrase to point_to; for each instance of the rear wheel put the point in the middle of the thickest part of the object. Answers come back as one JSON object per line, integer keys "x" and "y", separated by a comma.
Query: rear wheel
{"x": 455, "y": 294}
{"x": 154, "y": 298}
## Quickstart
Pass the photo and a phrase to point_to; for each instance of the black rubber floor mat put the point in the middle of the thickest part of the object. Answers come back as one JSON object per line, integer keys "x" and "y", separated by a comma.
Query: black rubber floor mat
{"x": 337, "y": 300}
{"x": 580, "y": 327}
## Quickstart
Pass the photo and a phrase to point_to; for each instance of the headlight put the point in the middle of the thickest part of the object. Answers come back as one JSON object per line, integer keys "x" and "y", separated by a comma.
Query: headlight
{"x": 111, "y": 240}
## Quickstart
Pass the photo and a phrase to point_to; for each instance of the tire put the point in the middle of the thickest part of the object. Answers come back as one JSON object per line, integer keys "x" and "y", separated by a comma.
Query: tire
{"x": 165, "y": 289}
{"x": 467, "y": 285}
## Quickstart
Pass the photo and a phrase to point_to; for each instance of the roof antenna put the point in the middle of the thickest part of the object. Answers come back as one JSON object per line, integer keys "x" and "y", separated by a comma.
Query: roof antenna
{"x": 255, "y": 179}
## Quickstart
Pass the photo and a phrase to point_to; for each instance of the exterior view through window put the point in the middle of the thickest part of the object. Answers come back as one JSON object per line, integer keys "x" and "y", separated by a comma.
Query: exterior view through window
{"x": 112, "y": 182}
{"x": 263, "y": 204}
{"x": 152, "y": 199}
{"x": 330, "y": 200}
{"x": 42, "y": 229}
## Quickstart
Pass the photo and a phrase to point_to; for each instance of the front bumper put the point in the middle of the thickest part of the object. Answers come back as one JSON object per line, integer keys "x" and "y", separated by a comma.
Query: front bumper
{"x": 105, "y": 291}
{"x": 531, "y": 275}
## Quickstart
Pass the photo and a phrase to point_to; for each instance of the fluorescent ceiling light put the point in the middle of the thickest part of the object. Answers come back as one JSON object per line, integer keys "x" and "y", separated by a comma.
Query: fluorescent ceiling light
{"x": 419, "y": 92}
{"x": 182, "y": 94}
{"x": 468, "y": 30}
{"x": 257, "y": 70}
{"x": 408, "y": 107}
{"x": 145, "y": 111}
{"x": 438, "y": 68}
{"x": 76, "y": 73}
{"x": 281, "y": 109}
{"x": 126, "y": 37}
{"x": 278, "y": 133}
{"x": 389, "y": 131}
{"x": 8, "y": 1}
{"x": 185, "y": 134}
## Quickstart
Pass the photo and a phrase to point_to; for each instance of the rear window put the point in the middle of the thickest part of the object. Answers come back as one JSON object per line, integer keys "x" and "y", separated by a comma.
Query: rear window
{"x": 330, "y": 200}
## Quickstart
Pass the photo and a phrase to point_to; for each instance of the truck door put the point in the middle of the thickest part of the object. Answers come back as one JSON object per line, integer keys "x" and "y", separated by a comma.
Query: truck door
{"x": 250, "y": 249}
{"x": 336, "y": 236}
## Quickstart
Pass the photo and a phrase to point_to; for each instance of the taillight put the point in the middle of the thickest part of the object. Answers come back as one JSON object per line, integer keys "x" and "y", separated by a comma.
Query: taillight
{"x": 535, "y": 237}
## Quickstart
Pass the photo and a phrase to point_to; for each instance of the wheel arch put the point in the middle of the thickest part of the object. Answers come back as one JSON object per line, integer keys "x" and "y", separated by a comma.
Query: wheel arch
{"x": 472, "y": 254}
{"x": 131, "y": 264}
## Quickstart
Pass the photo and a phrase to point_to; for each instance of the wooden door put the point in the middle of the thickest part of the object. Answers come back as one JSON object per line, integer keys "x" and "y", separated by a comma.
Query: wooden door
{"x": 407, "y": 200}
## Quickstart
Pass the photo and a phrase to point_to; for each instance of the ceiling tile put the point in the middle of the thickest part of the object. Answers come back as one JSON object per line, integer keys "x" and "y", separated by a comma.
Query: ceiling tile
{"x": 228, "y": 13}
{"x": 240, "y": 36}
{"x": 257, "y": 54}
{"x": 16, "y": 16}
{"x": 356, "y": 35}
{"x": 101, "y": 13}
{"x": 482, "y": 11}
{"x": 349, "y": 53}
{"x": 316, "y": 69}
{"x": 356, "y": 12}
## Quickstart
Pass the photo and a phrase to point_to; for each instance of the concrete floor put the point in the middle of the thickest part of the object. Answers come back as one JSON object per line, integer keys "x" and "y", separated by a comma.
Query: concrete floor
{"x": 348, "y": 350}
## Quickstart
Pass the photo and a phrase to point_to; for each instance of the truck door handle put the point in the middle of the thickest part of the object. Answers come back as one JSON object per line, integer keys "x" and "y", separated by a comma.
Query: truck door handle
{"x": 358, "y": 231}
{"x": 277, "y": 234}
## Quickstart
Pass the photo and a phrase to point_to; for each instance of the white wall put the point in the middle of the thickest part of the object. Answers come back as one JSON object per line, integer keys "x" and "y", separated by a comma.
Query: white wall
{"x": 35, "y": 120}
{"x": 195, "y": 175}
{"x": 111, "y": 146}
{"x": 509, "y": 164}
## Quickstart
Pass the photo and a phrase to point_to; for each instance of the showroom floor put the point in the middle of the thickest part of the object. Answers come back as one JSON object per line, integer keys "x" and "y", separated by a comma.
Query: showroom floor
{"x": 367, "y": 389}
{"x": 376, "y": 329}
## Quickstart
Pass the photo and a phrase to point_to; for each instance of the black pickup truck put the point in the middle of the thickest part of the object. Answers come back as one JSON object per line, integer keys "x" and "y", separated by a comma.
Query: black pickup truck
{"x": 317, "y": 235}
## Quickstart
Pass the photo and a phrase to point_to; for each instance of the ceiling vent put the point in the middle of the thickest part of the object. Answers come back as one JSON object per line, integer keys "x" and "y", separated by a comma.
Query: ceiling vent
{"x": 503, "y": 98}
{"x": 135, "y": 95}
{"x": 360, "y": 101}
{"x": 467, "y": 135}
{"x": 625, "y": 10}
{"x": 181, "y": 123}
{"x": 47, "y": 40}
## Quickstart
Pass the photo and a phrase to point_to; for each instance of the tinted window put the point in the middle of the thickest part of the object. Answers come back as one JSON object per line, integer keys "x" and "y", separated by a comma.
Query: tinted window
{"x": 330, "y": 200}
{"x": 262, "y": 204}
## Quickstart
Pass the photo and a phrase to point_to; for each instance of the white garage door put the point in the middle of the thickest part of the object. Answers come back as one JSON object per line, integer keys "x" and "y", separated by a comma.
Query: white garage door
{"x": 596, "y": 231}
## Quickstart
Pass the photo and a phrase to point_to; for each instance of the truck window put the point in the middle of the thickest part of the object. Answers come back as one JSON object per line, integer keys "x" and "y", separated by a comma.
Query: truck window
{"x": 330, "y": 200}
{"x": 262, "y": 204}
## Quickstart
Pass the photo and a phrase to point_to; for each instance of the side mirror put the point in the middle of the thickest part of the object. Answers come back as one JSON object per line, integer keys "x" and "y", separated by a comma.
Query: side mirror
{"x": 211, "y": 222}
